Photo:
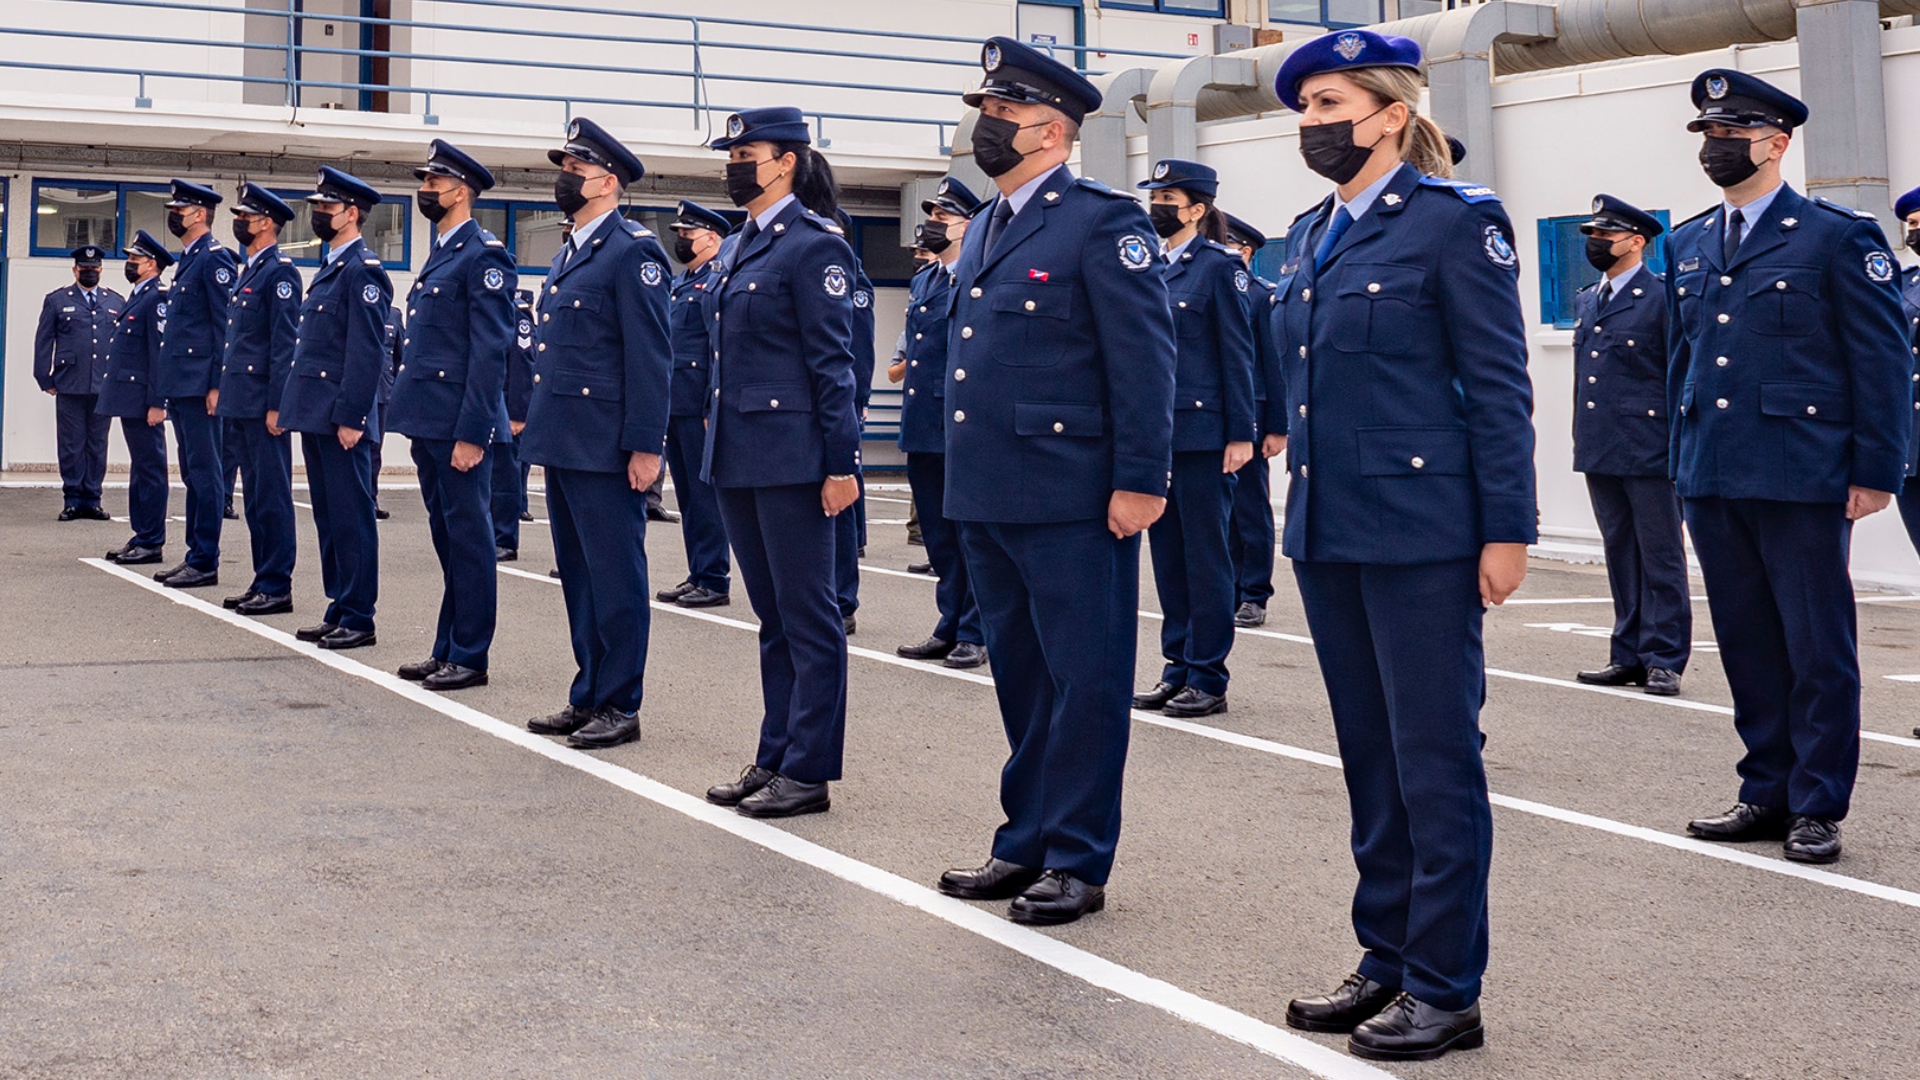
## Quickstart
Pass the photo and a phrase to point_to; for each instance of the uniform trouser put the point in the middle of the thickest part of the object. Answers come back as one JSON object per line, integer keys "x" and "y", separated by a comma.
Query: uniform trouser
{"x": 509, "y": 492}
{"x": 197, "y": 438}
{"x": 848, "y": 530}
{"x": 1783, "y": 612}
{"x": 599, "y": 526}
{"x": 959, "y": 609}
{"x": 340, "y": 482}
{"x": 1194, "y": 573}
{"x": 82, "y": 435}
{"x": 1639, "y": 520}
{"x": 1401, "y": 653}
{"x": 1910, "y": 510}
{"x": 1252, "y": 537}
{"x": 146, "y": 480}
{"x": 784, "y": 549}
{"x": 265, "y": 462}
{"x": 460, "y": 520}
{"x": 526, "y": 469}
{"x": 377, "y": 460}
{"x": 230, "y": 462}
{"x": 1059, "y": 604}
{"x": 700, "y": 527}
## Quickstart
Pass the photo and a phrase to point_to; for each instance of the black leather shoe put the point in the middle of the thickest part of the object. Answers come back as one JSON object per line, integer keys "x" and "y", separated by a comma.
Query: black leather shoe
{"x": 189, "y": 578}
{"x": 609, "y": 728}
{"x": 966, "y": 655}
{"x": 1250, "y": 614}
{"x": 565, "y": 722}
{"x": 916, "y": 539}
{"x": 920, "y": 568}
{"x": 661, "y": 513}
{"x": 752, "y": 779}
{"x": 1193, "y": 702}
{"x": 161, "y": 576}
{"x": 1744, "y": 822}
{"x": 785, "y": 797}
{"x": 315, "y": 633}
{"x": 1157, "y": 697}
{"x": 380, "y": 512}
{"x": 1412, "y": 1030}
{"x": 996, "y": 879}
{"x": 505, "y": 554}
{"x": 1354, "y": 1002}
{"x": 931, "y": 649}
{"x": 554, "y": 573}
{"x": 849, "y": 625}
{"x": 420, "y": 669}
{"x": 233, "y": 602}
{"x": 344, "y": 638}
{"x": 69, "y": 513}
{"x": 132, "y": 554}
{"x": 668, "y": 596}
{"x": 92, "y": 513}
{"x": 1057, "y": 898}
{"x": 454, "y": 677}
{"x": 262, "y": 604}
{"x": 702, "y": 597}
{"x": 526, "y": 515}
{"x": 1663, "y": 683}
{"x": 1614, "y": 675}
{"x": 227, "y": 512}
{"x": 1812, "y": 840}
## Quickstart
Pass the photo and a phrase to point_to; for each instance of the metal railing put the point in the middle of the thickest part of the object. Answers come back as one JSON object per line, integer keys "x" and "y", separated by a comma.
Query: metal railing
{"x": 703, "y": 47}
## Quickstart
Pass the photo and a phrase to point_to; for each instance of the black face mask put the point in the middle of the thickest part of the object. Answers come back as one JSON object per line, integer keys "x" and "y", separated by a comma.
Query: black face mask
{"x": 1913, "y": 240}
{"x": 242, "y": 232}
{"x": 1330, "y": 151}
{"x": 743, "y": 182}
{"x": 567, "y": 194}
{"x": 89, "y": 277}
{"x": 1728, "y": 160}
{"x": 323, "y": 227}
{"x": 993, "y": 145}
{"x": 1166, "y": 219}
{"x": 430, "y": 208}
{"x": 132, "y": 270}
{"x": 1600, "y": 253}
{"x": 176, "y": 223}
{"x": 683, "y": 250}
{"x": 932, "y": 235}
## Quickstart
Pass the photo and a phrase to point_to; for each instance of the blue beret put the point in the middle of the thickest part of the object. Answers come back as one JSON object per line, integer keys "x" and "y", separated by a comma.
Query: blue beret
{"x": 255, "y": 199}
{"x": 694, "y": 216}
{"x": 1344, "y": 51}
{"x": 591, "y": 143}
{"x": 1185, "y": 175}
{"x": 446, "y": 159}
{"x": 145, "y": 245}
{"x": 1908, "y": 204}
{"x": 1024, "y": 75}
{"x": 779, "y": 123}
{"x": 1244, "y": 233}
{"x": 191, "y": 194}
{"x": 1737, "y": 99}
{"x": 1618, "y": 215}
{"x": 952, "y": 196}
{"x": 87, "y": 255}
{"x": 336, "y": 186}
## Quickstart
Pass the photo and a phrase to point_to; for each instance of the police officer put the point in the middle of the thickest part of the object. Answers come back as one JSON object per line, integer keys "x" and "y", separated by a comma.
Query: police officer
{"x": 131, "y": 392}
{"x": 1790, "y": 380}
{"x": 783, "y": 448}
{"x": 1251, "y": 533}
{"x": 1620, "y": 442}
{"x": 1060, "y": 365}
{"x": 1214, "y": 429}
{"x": 698, "y": 233}
{"x": 1907, "y": 208}
{"x": 1407, "y": 513}
{"x": 189, "y": 373}
{"x": 598, "y": 423}
{"x": 70, "y": 362}
{"x": 330, "y": 401}
{"x": 263, "y": 324}
{"x": 449, "y": 399}
{"x": 956, "y": 638}
{"x": 509, "y": 473}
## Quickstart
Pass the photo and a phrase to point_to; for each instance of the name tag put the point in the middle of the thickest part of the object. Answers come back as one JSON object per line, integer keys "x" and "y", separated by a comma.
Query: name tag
{"x": 1689, "y": 264}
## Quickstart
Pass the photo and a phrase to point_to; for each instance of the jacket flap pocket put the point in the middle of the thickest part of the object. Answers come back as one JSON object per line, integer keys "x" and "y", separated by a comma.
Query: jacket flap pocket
{"x": 1419, "y": 451}
{"x": 1053, "y": 300}
{"x": 575, "y": 299}
{"x": 1075, "y": 419}
{"x": 776, "y": 397}
{"x": 1189, "y": 398}
{"x": 1655, "y": 407}
{"x": 1804, "y": 280}
{"x": 438, "y": 370}
{"x": 1382, "y": 282}
{"x": 1809, "y": 400}
{"x": 583, "y": 384}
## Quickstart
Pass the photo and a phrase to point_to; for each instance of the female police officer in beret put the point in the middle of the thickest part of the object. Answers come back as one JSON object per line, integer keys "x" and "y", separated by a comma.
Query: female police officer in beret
{"x": 1213, "y": 431}
{"x": 1410, "y": 506}
{"x": 783, "y": 448}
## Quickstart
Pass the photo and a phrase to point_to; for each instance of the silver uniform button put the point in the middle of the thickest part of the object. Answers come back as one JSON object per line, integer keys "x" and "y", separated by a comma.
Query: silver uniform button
{"x": 959, "y": 416}
{"x": 1683, "y": 290}
{"x": 752, "y": 285}
{"x": 1720, "y": 403}
{"x": 960, "y": 374}
{"x": 1595, "y": 353}
{"x": 1811, "y": 410}
{"x": 1780, "y": 285}
{"x": 1650, "y": 412}
{"x": 1724, "y": 317}
{"x": 1720, "y": 360}
{"x": 586, "y": 391}
{"x": 1183, "y": 303}
{"x": 1629, "y": 343}
{"x": 975, "y": 293}
{"x": 1306, "y": 294}
{"x": 909, "y": 391}
{"x": 1303, "y": 352}
{"x": 543, "y": 346}
{"x": 1030, "y": 305}
{"x": 774, "y": 403}
{"x": 917, "y": 337}
{"x": 1418, "y": 462}
{"x": 1303, "y": 472}
{"x": 1303, "y": 410}
{"x": 966, "y": 331}
{"x": 536, "y": 378}
{"x": 1373, "y": 286}
{"x": 1591, "y": 379}
{"x": 1058, "y": 427}
{"x": 1725, "y": 280}
{"x": 1589, "y": 404}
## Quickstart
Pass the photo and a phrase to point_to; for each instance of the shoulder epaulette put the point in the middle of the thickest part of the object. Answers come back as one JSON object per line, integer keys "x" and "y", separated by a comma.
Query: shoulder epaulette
{"x": 981, "y": 209}
{"x": 1218, "y": 246}
{"x": 371, "y": 260}
{"x": 821, "y": 223}
{"x": 1099, "y": 188}
{"x": 491, "y": 240}
{"x": 1846, "y": 211}
{"x": 1301, "y": 216}
{"x": 286, "y": 260}
{"x": 1470, "y": 193}
{"x": 1693, "y": 219}
{"x": 637, "y": 230}
{"x": 1264, "y": 281}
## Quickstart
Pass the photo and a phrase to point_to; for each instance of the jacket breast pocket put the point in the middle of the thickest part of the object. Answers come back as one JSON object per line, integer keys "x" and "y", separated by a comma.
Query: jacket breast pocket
{"x": 1784, "y": 301}
{"x": 444, "y": 371}
{"x": 1373, "y": 308}
{"x": 1030, "y": 318}
{"x": 1414, "y": 451}
{"x": 756, "y": 294}
{"x": 439, "y": 305}
{"x": 571, "y": 303}
{"x": 1686, "y": 297}
{"x": 1806, "y": 401}
{"x": 1073, "y": 420}
{"x": 776, "y": 398}
{"x": 585, "y": 385}
{"x": 1645, "y": 407}
{"x": 318, "y": 370}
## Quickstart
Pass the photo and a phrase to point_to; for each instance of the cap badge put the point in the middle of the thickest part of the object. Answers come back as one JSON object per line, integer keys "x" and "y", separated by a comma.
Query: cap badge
{"x": 990, "y": 59}
{"x": 1717, "y": 87}
{"x": 735, "y": 126}
{"x": 573, "y": 130}
{"x": 1160, "y": 171}
{"x": 1598, "y": 205}
{"x": 944, "y": 185}
{"x": 1349, "y": 46}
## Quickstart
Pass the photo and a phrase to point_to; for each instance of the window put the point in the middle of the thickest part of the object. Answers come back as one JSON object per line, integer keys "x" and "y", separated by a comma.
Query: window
{"x": 1211, "y": 9}
{"x": 1336, "y": 13}
{"x": 876, "y": 242}
{"x": 1268, "y": 260}
{"x": 67, "y": 214}
{"x": 1564, "y": 269}
{"x": 536, "y": 237}
{"x": 385, "y": 232}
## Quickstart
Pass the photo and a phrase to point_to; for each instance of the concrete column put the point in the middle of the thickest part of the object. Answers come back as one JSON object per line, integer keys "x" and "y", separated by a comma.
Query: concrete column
{"x": 1840, "y": 80}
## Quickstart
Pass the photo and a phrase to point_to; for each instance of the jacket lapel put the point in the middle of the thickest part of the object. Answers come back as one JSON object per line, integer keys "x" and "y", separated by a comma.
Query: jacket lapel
{"x": 1391, "y": 200}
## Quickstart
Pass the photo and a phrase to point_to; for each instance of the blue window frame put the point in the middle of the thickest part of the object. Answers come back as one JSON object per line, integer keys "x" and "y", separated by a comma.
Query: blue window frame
{"x": 1209, "y": 9}
{"x": 69, "y": 213}
{"x": 1564, "y": 269}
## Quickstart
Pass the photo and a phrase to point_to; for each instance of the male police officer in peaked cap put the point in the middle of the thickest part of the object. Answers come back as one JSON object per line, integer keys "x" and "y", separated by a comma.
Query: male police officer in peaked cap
{"x": 1620, "y": 442}
{"x": 70, "y": 362}
{"x": 263, "y": 326}
{"x": 1789, "y": 381}
{"x": 189, "y": 374}
{"x": 698, "y": 233}
{"x": 449, "y": 399}
{"x": 1907, "y": 209}
{"x": 1059, "y": 451}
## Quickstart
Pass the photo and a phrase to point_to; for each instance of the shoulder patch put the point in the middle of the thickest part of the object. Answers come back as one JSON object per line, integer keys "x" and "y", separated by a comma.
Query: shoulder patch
{"x": 370, "y": 293}
{"x": 1240, "y": 280}
{"x": 223, "y": 275}
{"x": 493, "y": 279}
{"x": 835, "y": 281}
{"x": 1099, "y": 188}
{"x": 1880, "y": 268}
{"x": 284, "y": 290}
{"x": 1498, "y": 248}
{"x": 650, "y": 274}
{"x": 1470, "y": 193}
{"x": 1135, "y": 253}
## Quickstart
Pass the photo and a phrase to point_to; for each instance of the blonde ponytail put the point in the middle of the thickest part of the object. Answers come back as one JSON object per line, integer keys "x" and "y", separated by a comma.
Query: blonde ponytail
{"x": 1422, "y": 143}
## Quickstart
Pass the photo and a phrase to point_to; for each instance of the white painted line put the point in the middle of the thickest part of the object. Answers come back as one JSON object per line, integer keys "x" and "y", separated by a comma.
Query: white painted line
{"x": 1522, "y": 601}
{"x": 1525, "y": 806}
{"x": 1886, "y": 599}
{"x": 1116, "y": 978}
{"x": 1904, "y": 678}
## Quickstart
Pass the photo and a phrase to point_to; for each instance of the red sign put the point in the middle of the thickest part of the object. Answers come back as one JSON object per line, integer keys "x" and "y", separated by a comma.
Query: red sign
{"x": 1193, "y": 39}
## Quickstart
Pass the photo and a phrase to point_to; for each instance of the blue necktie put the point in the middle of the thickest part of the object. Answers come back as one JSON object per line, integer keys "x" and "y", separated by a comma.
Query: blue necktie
{"x": 1342, "y": 221}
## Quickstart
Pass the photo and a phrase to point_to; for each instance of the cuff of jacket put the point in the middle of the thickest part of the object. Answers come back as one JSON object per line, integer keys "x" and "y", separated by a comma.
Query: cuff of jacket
{"x": 1879, "y": 471}
{"x": 843, "y": 457}
{"x": 1509, "y": 521}
{"x": 637, "y": 439}
{"x": 1146, "y": 476}
{"x": 343, "y": 417}
{"x": 479, "y": 432}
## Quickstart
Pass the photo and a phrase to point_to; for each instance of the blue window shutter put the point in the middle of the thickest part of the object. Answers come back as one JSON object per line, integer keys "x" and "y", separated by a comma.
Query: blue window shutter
{"x": 1549, "y": 272}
